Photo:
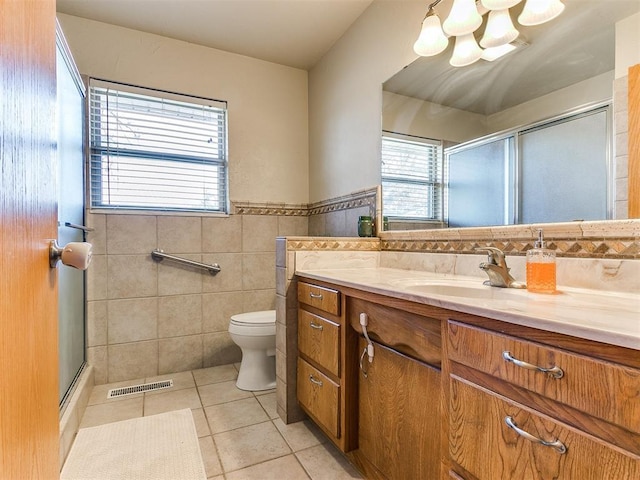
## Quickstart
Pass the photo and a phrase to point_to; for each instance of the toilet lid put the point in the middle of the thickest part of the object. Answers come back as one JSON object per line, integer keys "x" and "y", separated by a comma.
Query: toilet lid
{"x": 255, "y": 318}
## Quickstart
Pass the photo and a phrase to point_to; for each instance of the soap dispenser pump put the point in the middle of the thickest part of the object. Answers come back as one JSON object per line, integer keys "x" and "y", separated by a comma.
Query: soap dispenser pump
{"x": 541, "y": 267}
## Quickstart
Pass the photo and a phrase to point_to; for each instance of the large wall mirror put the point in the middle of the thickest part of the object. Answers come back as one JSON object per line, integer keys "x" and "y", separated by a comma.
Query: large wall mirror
{"x": 511, "y": 140}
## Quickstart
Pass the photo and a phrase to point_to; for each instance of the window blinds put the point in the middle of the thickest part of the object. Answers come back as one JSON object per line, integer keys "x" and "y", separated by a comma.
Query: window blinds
{"x": 156, "y": 150}
{"x": 411, "y": 178}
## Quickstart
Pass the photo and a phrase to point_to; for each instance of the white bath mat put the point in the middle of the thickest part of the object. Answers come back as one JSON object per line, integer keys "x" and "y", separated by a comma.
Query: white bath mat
{"x": 163, "y": 446}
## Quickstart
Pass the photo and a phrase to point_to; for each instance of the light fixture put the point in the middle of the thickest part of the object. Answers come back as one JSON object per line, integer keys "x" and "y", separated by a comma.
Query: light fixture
{"x": 499, "y": 30}
{"x": 493, "y": 53}
{"x": 536, "y": 12}
{"x": 463, "y": 19}
{"x": 466, "y": 17}
{"x": 466, "y": 51}
{"x": 432, "y": 39}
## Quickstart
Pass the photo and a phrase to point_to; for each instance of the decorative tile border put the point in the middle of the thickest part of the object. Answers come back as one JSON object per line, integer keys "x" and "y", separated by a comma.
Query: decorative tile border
{"x": 291, "y": 210}
{"x": 333, "y": 243}
{"x": 363, "y": 198}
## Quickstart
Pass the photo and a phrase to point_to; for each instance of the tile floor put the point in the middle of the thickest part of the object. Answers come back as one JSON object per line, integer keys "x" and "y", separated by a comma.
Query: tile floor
{"x": 241, "y": 436}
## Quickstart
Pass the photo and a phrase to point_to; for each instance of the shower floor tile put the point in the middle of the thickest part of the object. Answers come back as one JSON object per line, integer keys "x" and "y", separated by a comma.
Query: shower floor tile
{"x": 240, "y": 435}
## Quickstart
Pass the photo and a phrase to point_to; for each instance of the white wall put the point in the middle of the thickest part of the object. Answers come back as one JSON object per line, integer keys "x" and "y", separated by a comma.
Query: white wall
{"x": 268, "y": 103}
{"x": 413, "y": 116}
{"x": 345, "y": 97}
{"x": 627, "y": 44}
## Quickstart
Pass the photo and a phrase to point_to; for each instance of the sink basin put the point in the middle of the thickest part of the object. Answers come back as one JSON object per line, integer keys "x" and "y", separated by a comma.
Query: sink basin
{"x": 465, "y": 291}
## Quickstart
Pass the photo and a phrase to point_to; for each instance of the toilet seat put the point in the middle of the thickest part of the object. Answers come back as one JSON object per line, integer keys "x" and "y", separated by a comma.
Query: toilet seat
{"x": 254, "y": 323}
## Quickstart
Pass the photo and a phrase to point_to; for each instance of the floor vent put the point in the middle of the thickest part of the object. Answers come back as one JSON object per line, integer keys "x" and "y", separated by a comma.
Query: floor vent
{"x": 147, "y": 387}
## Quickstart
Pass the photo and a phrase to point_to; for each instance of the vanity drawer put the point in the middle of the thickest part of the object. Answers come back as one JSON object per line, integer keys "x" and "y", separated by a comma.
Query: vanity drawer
{"x": 319, "y": 339}
{"x": 481, "y": 442}
{"x": 319, "y": 396}
{"x": 602, "y": 389}
{"x": 414, "y": 335}
{"x": 322, "y": 298}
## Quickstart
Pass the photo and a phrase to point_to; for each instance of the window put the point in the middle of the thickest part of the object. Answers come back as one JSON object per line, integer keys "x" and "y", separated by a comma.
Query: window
{"x": 155, "y": 150}
{"x": 411, "y": 177}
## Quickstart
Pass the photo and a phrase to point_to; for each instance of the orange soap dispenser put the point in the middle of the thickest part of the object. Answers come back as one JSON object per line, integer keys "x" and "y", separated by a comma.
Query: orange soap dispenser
{"x": 541, "y": 267}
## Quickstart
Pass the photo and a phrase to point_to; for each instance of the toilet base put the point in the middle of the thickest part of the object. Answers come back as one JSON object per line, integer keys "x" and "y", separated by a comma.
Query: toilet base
{"x": 257, "y": 371}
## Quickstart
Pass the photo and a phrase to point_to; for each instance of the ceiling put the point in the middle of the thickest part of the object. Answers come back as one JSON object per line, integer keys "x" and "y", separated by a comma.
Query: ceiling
{"x": 296, "y": 33}
{"x": 577, "y": 45}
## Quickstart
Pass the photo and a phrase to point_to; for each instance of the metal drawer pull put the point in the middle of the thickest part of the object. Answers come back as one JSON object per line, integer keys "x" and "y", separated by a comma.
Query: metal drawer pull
{"x": 315, "y": 295}
{"x": 314, "y": 380}
{"x": 555, "y": 371}
{"x": 315, "y": 325}
{"x": 557, "y": 445}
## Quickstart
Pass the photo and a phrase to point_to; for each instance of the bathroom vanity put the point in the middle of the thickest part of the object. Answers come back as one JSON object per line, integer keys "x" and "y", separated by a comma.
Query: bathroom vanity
{"x": 469, "y": 382}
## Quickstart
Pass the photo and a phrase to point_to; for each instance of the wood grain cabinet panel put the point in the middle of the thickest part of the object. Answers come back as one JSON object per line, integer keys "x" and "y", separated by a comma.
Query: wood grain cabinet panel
{"x": 322, "y": 298}
{"x": 602, "y": 389}
{"x": 320, "y": 396}
{"x": 319, "y": 339}
{"x": 484, "y": 446}
{"x": 399, "y": 415}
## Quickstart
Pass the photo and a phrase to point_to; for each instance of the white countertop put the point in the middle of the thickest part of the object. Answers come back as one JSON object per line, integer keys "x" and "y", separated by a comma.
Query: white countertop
{"x": 607, "y": 317}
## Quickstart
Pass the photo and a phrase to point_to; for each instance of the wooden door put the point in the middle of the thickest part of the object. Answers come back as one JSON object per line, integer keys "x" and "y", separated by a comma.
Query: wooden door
{"x": 399, "y": 415}
{"x": 29, "y": 428}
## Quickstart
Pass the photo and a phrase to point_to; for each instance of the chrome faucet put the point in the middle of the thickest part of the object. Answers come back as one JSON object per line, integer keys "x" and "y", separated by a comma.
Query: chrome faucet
{"x": 496, "y": 268}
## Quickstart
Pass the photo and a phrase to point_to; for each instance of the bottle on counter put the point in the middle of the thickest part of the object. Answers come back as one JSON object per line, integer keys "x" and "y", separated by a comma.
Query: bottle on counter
{"x": 365, "y": 226}
{"x": 541, "y": 267}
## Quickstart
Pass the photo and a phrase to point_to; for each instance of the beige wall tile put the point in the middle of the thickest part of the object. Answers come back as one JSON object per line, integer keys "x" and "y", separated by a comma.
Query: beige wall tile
{"x": 281, "y": 365}
{"x": 98, "y": 237}
{"x": 317, "y": 225}
{"x": 336, "y": 224}
{"x": 97, "y": 358}
{"x": 132, "y": 360}
{"x": 229, "y": 279}
{"x": 622, "y": 167}
{"x": 259, "y": 233}
{"x": 131, "y": 234}
{"x": 258, "y": 300}
{"x": 177, "y": 279}
{"x": 96, "y": 323}
{"x": 97, "y": 278}
{"x": 179, "y": 315}
{"x": 293, "y": 226}
{"x": 258, "y": 271}
{"x": 133, "y": 320}
{"x": 178, "y": 235}
{"x": 281, "y": 252}
{"x": 281, "y": 280}
{"x": 217, "y": 309}
{"x": 222, "y": 234}
{"x": 219, "y": 349}
{"x": 179, "y": 354}
{"x": 281, "y": 309}
{"x": 131, "y": 276}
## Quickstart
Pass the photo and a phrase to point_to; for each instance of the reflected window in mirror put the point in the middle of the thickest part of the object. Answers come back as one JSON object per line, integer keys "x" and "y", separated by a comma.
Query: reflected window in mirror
{"x": 412, "y": 179}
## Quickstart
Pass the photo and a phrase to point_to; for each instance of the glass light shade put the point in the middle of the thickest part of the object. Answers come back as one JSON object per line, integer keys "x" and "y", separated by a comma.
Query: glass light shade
{"x": 536, "y": 12}
{"x": 491, "y": 54}
{"x": 432, "y": 39}
{"x": 466, "y": 51}
{"x": 499, "y": 4}
{"x": 463, "y": 18}
{"x": 499, "y": 30}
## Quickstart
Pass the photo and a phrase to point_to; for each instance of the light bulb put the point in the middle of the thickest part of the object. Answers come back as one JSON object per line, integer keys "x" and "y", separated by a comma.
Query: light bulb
{"x": 499, "y": 4}
{"x": 463, "y": 19}
{"x": 432, "y": 39}
{"x": 536, "y": 12}
{"x": 466, "y": 51}
{"x": 499, "y": 30}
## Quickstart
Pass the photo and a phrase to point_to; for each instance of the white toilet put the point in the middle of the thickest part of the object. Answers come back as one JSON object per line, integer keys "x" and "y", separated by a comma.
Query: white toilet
{"x": 255, "y": 334}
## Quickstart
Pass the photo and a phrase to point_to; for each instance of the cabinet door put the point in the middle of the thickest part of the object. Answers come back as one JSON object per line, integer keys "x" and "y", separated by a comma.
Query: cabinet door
{"x": 482, "y": 443}
{"x": 399, "y": 415}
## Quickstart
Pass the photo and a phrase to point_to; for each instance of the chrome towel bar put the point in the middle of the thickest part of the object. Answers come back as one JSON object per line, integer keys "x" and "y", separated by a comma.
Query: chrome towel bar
{"x": 159, "y": 255}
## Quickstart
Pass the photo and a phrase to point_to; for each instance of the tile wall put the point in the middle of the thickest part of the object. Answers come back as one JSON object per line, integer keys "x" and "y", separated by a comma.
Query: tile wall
{"x": 621, "y": 160}
{"x": 338, "y": 217}
{"x": 146, "y": 318}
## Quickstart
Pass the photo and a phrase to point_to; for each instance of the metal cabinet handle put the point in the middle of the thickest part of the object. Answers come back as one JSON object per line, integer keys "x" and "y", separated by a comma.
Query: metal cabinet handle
{"x": 312, "y": 379}
{"x": 315, "y": 295}
{"x": 315, "y": 325}
{"x": 555, "y": 371}
{"x": 557, "y": 444}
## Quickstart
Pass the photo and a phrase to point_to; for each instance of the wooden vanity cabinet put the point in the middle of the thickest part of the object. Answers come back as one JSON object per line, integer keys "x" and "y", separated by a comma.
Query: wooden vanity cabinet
{"x": 326, "y": 363}
{"x": 399, "y": 394}
{"x": 584, "y": 408}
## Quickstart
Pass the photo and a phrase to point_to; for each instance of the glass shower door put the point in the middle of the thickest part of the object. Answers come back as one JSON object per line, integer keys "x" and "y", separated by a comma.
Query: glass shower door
{"x": 71, "y": 282}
